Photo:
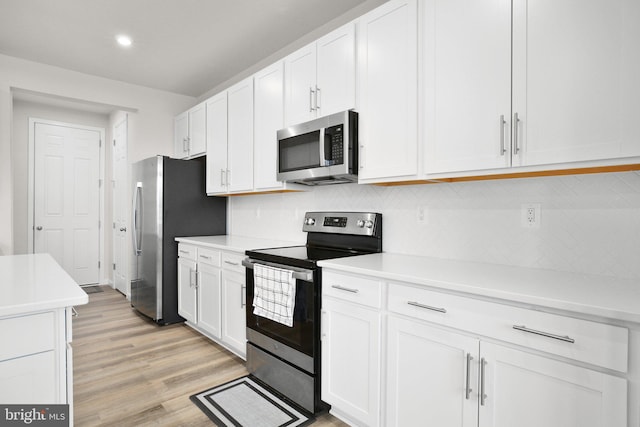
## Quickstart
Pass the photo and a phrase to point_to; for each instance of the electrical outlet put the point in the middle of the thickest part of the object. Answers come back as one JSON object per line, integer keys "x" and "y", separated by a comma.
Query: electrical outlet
{"x": 422, "y": 215}
{"x": 531, "y": 215}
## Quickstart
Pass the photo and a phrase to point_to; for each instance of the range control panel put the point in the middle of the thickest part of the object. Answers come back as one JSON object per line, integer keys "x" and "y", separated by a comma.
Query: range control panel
{"x": 360, "y": 223}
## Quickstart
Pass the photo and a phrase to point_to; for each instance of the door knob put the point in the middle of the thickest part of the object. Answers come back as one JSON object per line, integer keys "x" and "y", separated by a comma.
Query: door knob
{"x": 39, "y": 228}
{"x": 123, "y": 229}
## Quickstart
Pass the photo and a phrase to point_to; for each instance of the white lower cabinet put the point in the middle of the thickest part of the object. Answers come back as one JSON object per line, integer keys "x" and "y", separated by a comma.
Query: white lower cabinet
{"x": 211, "y": 294}
{"x": 526, "y": 390}
{"x": 234, "y": 332}
{"x": 428, "y": 376}
{"x": 36, "y": 365}
{"x": 209, "y": 281}
{"x": 187, "y": 289}
{"x": 423, "y": 357}
{"x": 450, "y": 379}
{"x": 351, "y": 361}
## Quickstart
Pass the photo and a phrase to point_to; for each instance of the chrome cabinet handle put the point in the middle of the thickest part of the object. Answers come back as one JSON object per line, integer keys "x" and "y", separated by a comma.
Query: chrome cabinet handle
{"x": 222, "y": 178}
{"x": 317, "y": 98}
{"x": 503, "y": 149}
{"x": 353, "y": 291}
{"x": 311, "y": 94}
{"x": 564, "y": 338}
{"x": 483, "y": 396}
{"x": 182, "y": 251}
{"x": 427, "y": 307}
{"x": 230, "y": 263}
{"x": 205, "y": 257}
{"x": 243, "y": 302}
{"x": 468, "y": 389}
{"x": 185, "y": 145}
{"x": 516, "y": 122}
{"x": 228, "y": 180}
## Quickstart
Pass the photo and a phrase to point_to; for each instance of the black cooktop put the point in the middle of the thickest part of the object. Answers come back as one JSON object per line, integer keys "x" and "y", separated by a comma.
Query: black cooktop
{"x": 301, "y": 256}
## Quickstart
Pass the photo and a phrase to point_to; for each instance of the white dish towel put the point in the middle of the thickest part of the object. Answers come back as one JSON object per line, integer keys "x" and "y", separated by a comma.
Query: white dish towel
{"x": 274, "y": 293}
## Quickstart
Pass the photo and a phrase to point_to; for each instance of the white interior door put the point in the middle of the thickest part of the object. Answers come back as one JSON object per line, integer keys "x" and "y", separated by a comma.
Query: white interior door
{"x": 67, "y": 198}
{"x": 120, "y": 207}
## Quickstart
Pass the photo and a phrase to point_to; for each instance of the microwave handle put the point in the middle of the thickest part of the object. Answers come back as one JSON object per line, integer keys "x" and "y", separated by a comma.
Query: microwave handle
{"x": 323, "y": 160}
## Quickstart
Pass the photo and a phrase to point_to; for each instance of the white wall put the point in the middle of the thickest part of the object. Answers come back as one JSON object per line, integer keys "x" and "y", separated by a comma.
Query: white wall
{"x": 150, "y": 126}
{"x": 589, "y": 223}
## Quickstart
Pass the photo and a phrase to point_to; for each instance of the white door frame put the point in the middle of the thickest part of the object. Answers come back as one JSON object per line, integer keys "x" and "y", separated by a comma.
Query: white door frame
{"x": 124, "y": 119}
{"x": 31, "y": 185}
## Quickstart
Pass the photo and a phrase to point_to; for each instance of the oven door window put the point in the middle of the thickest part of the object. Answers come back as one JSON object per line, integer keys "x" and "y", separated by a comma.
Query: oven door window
{"x": 299, "y": 152}
{"x": 301, "y": 336}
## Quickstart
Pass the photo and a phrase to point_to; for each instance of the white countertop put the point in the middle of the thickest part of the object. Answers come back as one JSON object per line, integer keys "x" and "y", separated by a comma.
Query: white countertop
{"x": 30, "y": 283}
{"x": 587, "y": 294}
{"x": 236, "y": 243}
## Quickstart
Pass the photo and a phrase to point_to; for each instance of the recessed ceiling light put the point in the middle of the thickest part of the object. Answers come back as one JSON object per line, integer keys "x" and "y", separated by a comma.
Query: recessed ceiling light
{"x": 124, "y": 40}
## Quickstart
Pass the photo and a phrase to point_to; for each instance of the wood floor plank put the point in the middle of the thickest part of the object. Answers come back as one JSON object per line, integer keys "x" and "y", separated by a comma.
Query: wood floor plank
{"x": 130, "y": 372}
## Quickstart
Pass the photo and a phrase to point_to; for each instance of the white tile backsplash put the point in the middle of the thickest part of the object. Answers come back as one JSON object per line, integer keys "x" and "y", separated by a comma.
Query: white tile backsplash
{"x": 589, "y": 223}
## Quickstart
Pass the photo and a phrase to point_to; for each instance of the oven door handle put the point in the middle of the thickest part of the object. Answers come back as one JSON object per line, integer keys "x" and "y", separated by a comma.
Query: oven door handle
{"x": 298, "y": 273}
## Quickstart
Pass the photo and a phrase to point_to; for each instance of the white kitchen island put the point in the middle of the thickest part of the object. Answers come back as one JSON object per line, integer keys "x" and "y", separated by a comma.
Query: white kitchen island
{"x": 36, "y": 301}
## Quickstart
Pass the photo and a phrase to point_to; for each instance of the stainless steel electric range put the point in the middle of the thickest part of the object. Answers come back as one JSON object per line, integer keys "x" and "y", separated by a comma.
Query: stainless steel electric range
{"x": 287, "y": 358}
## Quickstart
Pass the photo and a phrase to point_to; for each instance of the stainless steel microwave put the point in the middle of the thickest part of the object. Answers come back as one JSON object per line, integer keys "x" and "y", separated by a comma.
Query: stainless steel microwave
{"x": 321, "y": 151}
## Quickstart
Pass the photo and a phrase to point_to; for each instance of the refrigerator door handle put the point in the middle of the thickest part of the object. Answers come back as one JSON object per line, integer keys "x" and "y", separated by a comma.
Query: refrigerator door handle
{"x": 137, "y": 219}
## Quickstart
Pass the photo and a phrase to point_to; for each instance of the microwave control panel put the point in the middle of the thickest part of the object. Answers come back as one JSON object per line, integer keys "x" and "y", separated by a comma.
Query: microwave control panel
{"x": 334, "y": 145}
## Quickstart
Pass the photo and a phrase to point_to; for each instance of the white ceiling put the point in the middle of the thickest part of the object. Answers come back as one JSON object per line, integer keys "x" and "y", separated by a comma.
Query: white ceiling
{"x": 182, "y": 46}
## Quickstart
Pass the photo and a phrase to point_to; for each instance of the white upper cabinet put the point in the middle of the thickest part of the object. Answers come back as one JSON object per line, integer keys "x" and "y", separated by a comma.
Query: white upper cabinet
{"x": 217, "y": 143}
{"x": 388, "y": 92}
{"x": 467, "y": 70}
{"x": 181, "y": 135}
{"x": 320, "y": 78}
{"x": 230, "y": 140}
{"x": 269, "y": 118}
{"x": 240, "y": 137}
{"x": 575, "y": 79}
{"x": 190, "y": 131}
{"x": 555, "y": 84}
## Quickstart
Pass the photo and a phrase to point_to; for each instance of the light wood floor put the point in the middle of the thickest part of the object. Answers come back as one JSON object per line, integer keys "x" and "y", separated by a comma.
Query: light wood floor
{"x": 130, "y": 372}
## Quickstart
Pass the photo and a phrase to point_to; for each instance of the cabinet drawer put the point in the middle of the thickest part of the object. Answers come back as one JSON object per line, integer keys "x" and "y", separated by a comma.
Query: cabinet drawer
{"x": 24, "y": 335}
{"x": 187, "y": 251}
{"x": 232, "y": 261}
{"x": 587, "y": 341}
{"x": 358, "y": 289}
{"x": 209, "y": 256}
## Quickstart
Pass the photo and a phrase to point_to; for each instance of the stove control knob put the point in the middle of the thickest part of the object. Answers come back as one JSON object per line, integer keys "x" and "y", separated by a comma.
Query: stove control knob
{"x": 309, "y": 221}
{"x": 368, "y": 224}
{"x": 360, "y": 223}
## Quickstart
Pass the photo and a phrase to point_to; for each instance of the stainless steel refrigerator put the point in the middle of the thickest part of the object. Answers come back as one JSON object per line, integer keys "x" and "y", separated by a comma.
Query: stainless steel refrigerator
{"x": 169, "y": 200}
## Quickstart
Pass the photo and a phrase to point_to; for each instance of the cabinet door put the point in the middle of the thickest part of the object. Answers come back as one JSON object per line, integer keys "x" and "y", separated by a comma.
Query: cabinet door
{"x": 387, "y": 81}
{"x": 351, "y": 360}
{"x": 216, "y": 112}
{"x": 240, "y": 136}
{"x": 198, "y": 130}
{"x": 234, "y": 322}
{"x": 187, "y": 289}
{"x": 269, "y": 118}
{"x": 467, "y": 70}
{"x": 300, "y": 85}
{"x": 181, "y": 136}
{"x": 526, "y": 390}
{"x": 429, "y": 373}
{"x": 32, "y": 379}
{"x": 336, "y": 71}
{"x": 575, "y": 70}
{"x": 209, "y": 299}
